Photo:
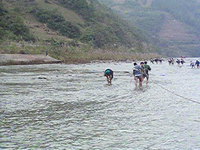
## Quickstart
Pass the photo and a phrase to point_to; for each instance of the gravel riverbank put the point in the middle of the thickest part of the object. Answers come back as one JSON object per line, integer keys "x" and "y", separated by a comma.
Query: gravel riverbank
{"x": 23, "y": 59}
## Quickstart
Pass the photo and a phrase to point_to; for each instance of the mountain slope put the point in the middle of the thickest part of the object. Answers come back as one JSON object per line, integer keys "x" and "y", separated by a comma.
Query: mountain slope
{"x": 69, "y": 23}
{"x": 173, "y": 25}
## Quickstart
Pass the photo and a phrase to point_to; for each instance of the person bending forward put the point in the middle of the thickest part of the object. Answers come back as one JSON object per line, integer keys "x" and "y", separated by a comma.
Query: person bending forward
{"x": 109, "y": 75}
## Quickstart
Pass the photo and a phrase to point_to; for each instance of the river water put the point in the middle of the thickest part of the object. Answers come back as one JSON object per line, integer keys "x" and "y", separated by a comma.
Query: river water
{"x": 72, "y": 107}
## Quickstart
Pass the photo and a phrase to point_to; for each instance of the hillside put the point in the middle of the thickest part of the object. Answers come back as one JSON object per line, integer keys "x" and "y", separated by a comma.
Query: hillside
{"x": 63, "y": 26}
{"x": 172, "y": 25}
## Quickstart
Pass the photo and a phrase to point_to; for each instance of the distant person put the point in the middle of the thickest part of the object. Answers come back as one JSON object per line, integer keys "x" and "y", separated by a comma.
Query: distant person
{"x": 156, "y": 60}
{"x": 192, "y": 64}
{"x": 152, "y": 61}
{"x": 172, "y": 61}
{"x": 138, "y": 75}
{"x": 178, "y": 62}
{"x": 182, "y": 61}
{"x": 109, "y": 75}
{"x": 197, "y": 63}
{"x": 147, "y": 68}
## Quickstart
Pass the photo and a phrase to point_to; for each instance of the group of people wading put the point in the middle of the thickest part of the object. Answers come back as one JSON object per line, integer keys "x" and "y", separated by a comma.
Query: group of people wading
{"x": 140, "y": 72}
{"x": 171, "y": 61}
{"x": 156, "y": 60}
{"x": 181, "y": 61}
{"x": 197, "y": 64}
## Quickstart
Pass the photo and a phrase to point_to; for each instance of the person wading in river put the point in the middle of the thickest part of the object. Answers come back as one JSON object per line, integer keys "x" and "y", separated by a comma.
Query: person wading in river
{"x": 197, "y": 63}
{"x": 192, "y": 64}
{"x": 138, "y": 75}
{"x": 182, "y": 61}
{"x": 146, "y": 68}
{"x": 178, "y": 62}
{"x": 109, "y": 75}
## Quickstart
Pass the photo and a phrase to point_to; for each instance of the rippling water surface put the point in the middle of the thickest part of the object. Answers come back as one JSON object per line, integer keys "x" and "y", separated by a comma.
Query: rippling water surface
{"x": 71, "y": 107}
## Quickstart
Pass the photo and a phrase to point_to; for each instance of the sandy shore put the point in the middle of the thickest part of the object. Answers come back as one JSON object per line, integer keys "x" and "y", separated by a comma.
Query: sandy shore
{"x": 23, "y": 59}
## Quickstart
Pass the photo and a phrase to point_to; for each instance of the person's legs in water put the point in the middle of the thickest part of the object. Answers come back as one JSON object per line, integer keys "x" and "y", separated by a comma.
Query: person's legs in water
{"x": 143, "y": 77}
{"x": 140, "y": 81}
{"x": 109, "y": 79}
{"x": 136, "y": 81}
{"x": 147, "y": 77}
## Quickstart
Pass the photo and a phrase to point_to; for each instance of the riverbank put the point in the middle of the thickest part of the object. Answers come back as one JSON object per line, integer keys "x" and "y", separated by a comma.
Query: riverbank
{"x": 76, "y": 57}
{"x": 72, "y": 54}
{"x": 24, "y": 59}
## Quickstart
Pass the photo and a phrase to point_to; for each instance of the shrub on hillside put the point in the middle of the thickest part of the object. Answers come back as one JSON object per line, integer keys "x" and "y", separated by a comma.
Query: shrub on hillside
{"x": 82, "y": 7}
{"x": 57, "y": 22}
{"x": 12, "y": 26}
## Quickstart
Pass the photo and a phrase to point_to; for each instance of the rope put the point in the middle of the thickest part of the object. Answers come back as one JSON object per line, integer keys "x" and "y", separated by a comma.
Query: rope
{"x": 188, "y": 99}
{"x": 185, "y": 98}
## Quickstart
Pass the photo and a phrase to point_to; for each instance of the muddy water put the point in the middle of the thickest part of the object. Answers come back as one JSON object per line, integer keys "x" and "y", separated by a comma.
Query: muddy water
{"x": 72, "y": 107}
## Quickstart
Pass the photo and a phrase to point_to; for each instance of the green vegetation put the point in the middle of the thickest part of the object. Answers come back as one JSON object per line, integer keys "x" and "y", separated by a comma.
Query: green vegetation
{"x": 103, "y": 28}
{"x": 82, "y": 7}
{"x": 69, "y": 29}
{"x": 12, "y": 26}
{"x": 57, "y": 22}
{"x": 160, "y": 19}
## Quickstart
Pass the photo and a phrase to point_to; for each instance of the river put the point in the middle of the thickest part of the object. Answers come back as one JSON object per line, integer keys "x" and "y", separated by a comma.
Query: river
{"x": 71, "y": 107}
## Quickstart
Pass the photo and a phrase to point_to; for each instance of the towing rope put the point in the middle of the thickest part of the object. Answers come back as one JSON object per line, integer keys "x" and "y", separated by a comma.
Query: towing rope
{"x": 188, "y": 99}
{"x": 185, "y": 98}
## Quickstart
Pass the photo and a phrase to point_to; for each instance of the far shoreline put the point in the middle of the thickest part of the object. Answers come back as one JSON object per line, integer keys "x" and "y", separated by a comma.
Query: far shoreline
{"x": 26, "y": 59}
{"x": 30, "y": 59}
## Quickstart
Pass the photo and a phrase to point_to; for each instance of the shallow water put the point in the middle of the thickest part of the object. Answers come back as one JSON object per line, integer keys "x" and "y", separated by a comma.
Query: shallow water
{"x": 74, "y": 108}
